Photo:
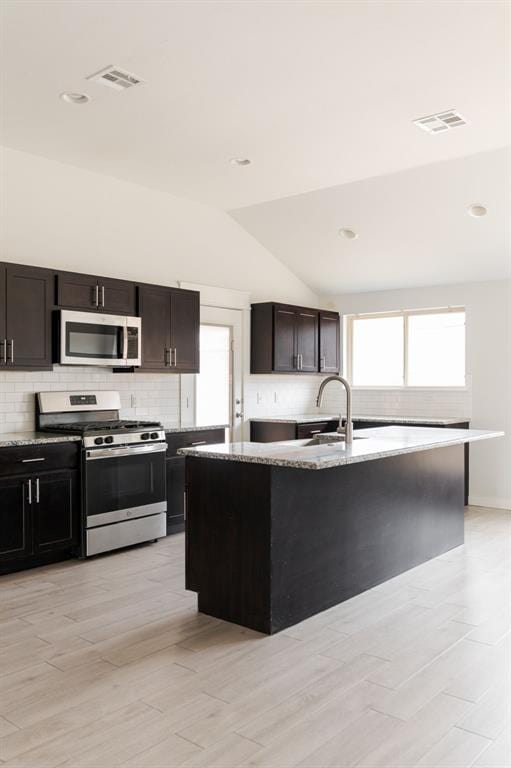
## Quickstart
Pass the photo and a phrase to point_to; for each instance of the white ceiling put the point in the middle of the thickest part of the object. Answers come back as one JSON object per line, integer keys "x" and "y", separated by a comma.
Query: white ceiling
{"x": 413, "y": 227}
{"x": 317, "y": 93}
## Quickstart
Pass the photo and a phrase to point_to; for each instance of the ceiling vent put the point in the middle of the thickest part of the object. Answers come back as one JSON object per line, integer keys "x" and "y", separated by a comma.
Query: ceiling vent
{"x": 442, "y": 121}
{"x": 116, "y": 78}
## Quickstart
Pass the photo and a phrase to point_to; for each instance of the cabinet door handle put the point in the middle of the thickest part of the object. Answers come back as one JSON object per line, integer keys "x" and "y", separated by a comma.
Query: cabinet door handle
{"x": 30, "y": 461}
{"x": 299, "y": 358}
{"x": 30, "y": 491}
{"x": 3, "y": 345}
{"x": 314, "y": 432}
{"x": 199, "y": 442}
{"x": 37, "y": 491}
{"x": 10, "y": 358}
{"x": 103, "y": 296}
{"x": 96, "y": 296}
{"x": 322, "y": 362}
{"x": 168, "y": 357}
{"x": 175, "y": 356}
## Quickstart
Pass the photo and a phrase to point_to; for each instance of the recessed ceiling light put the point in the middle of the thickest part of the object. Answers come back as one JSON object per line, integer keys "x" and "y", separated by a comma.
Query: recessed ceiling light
{"x": 71, "y": 97}
{"x": 477, "y": 210}
{"x": 240, "y": 161}
{"x": 348, "y": 234}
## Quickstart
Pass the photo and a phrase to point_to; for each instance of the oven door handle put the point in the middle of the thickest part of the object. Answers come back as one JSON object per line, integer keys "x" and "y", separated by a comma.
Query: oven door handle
{"x": 112, "y": 453}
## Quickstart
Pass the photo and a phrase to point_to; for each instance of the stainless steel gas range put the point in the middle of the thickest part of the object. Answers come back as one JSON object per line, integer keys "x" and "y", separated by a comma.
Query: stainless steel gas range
{"x": 124, "y": 492}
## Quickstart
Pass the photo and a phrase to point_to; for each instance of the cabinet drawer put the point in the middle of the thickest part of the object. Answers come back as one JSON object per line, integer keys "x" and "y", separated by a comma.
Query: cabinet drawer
{"x": 177, "y": 440}
{"x": 27, "y": 459}
{"x": 304, "y": 431}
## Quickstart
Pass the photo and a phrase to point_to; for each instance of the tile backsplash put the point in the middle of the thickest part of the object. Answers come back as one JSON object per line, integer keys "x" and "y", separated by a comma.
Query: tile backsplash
{"x": 267, "y": 395}
{"x": 441, "y": 403}
{"x": 142, "y": 395}
{"x": 157, "y": 396}
{"x": 291, "y": 395}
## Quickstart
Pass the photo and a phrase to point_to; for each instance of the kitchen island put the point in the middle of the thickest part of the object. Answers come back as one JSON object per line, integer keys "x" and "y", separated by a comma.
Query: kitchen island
{"x": 276, "y": 532}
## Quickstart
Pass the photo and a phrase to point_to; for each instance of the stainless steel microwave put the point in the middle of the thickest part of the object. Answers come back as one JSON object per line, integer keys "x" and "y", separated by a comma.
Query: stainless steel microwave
{"x": 87, "y": 338}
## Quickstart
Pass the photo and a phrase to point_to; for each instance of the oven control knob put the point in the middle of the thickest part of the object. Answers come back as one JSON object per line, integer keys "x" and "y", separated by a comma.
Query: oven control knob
{"x": 98, "y": 441}
{"x": 154, "y": 435}
{"x": 144, "y": 436}
{"x": 109, "y": 439}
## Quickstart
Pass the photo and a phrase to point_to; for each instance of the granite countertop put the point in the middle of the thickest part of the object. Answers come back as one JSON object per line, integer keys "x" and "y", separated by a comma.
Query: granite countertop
{"x": 369, "y": 444}
{"x": 171, "y": 428}
{"x": 304, "y": 418}
{"x": 12, "y": 439}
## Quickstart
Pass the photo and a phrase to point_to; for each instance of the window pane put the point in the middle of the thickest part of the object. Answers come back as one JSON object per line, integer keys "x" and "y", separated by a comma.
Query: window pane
{"x": 378, "y": 344}
{"x": 436, "y": 350}
{"x": 214, "y": 380}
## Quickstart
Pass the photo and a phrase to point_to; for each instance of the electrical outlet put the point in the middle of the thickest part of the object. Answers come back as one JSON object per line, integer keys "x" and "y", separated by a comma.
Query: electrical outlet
{"x": 275, "y": 397}
{"x": 259, "y": 398}
{"x": 133, "y": 401}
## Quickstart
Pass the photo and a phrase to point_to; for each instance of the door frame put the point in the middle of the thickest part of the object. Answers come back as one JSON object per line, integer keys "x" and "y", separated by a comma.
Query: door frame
{"x": 233, "y": 319}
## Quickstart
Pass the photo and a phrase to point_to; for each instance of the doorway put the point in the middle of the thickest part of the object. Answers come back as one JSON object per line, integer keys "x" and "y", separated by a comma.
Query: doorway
{"x": 217, "y": 391}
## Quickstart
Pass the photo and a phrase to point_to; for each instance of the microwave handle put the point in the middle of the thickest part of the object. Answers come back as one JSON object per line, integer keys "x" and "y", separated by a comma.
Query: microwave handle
{"x": 125, "y": 342}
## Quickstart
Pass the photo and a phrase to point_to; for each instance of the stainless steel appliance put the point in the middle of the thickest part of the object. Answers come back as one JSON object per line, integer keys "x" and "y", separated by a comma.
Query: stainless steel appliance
{"x": 124, "y": 493}
{"x": 87, "y": 338}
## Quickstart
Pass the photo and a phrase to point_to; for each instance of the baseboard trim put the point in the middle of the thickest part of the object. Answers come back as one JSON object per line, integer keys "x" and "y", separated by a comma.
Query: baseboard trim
{"x": 490, "y": 501}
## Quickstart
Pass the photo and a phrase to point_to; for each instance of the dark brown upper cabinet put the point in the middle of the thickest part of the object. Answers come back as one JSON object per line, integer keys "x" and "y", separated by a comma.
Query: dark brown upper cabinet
{"x": 286, "y": 339}
{"x": 154, "y": 309}
{"x": 170, "y": 329}
{"x": 26, "y": 301}
{"x": 307, "y": 340}
{"x": 185, "y": 330}
{"x": 103, "y": 294}
{"x": 329, "y": 342}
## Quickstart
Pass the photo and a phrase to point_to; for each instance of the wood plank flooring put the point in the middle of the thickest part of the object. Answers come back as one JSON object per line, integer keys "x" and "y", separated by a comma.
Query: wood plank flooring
{"x": 107, "y": 663}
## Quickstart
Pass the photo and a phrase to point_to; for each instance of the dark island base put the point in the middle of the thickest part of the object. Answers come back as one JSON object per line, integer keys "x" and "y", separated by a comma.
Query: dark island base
{"x": 267, "y": 547}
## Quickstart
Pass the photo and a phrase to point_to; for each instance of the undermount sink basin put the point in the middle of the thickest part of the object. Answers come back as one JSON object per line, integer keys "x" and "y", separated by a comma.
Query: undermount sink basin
{"x": 327, "y": 439}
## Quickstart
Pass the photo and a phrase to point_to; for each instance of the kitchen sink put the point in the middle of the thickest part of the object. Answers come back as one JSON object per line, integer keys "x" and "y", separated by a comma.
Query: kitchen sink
{"x": 329, "y": 439}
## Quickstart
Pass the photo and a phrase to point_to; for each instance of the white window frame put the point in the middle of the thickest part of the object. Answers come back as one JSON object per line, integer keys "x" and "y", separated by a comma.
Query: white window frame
{"x": 405, "y": 314}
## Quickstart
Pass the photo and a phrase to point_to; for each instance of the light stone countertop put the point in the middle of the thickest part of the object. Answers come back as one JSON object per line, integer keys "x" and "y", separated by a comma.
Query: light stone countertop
{"x": 13, "y": 439}
{"x": 305, "y": 418}
{"x": 369, "y": 444}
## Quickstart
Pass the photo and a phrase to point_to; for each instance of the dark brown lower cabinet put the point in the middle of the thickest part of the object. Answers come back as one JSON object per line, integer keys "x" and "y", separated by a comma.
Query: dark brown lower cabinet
{"x": 273, "y": 431}
{"x": 39, "y": 510}
{"x": 55, "y": 519}
{"x": 15, "y": 539}
{"x": 176, "y": 501}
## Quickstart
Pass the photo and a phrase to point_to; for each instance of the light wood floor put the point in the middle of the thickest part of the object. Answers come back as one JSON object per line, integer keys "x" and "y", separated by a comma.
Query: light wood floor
{"x": 106, "y": 663}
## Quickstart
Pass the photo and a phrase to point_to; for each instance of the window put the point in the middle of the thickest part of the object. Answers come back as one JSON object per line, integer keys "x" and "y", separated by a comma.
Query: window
{"x": 423, "y": 348}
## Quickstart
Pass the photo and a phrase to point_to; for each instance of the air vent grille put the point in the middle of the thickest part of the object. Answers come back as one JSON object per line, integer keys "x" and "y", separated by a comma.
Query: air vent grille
{"x": 115, "y": 77}
{"x": 442, "y": 121}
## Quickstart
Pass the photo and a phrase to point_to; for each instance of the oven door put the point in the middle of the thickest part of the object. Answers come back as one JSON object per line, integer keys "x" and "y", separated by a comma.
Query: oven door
{"x": 124, "y": 483}
{"x": 87, "y": 338}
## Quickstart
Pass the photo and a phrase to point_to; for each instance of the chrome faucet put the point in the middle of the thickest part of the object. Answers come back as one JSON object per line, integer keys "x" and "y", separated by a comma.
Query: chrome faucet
{"x": 345, "y": 425}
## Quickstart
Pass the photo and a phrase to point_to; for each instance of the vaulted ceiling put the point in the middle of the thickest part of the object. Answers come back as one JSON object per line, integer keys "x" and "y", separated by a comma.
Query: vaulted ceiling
{"x": 318, "y": 95}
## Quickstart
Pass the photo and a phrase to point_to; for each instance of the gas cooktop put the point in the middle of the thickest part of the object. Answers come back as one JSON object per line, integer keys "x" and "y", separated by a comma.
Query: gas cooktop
{"x": 110, "y": 425}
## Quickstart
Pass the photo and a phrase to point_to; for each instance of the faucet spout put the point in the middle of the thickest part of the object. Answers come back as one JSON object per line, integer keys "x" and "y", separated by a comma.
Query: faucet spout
{"x": 345, "y": 426}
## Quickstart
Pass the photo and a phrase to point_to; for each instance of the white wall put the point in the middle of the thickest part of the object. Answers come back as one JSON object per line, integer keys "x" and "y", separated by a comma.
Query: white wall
{"x": 488, "y": 346}
{"x": 57, "y": 215}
